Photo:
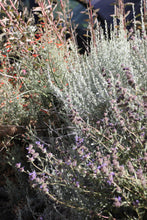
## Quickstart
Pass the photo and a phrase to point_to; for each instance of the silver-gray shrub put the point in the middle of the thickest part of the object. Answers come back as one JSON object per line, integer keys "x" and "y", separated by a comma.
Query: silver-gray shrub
{"x": 87, "y": 88}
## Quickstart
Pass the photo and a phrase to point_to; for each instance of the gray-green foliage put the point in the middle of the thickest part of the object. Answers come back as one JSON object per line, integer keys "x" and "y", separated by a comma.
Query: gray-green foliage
{"x": 87, "y": 88}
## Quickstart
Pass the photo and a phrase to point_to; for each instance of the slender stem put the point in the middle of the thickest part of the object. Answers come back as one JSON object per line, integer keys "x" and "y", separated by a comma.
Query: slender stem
{"x": 13, "y": 6}
{"x": 92, "y": 23}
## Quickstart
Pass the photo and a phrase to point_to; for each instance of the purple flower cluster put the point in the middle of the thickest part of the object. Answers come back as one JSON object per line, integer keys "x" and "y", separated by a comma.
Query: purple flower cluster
{"x": 19, "y": 167}
{"x": 117, "y": 201}
{"x": 32, "y": 175}
{"x": 79, "y": 142}
{"x": 39, "y": 180}
{"x": 32, "y": 154}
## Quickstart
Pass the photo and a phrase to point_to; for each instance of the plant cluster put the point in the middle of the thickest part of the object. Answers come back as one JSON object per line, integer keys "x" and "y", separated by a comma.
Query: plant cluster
{"x": 106, "y": 167}
{"x": 92, "y": 164}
